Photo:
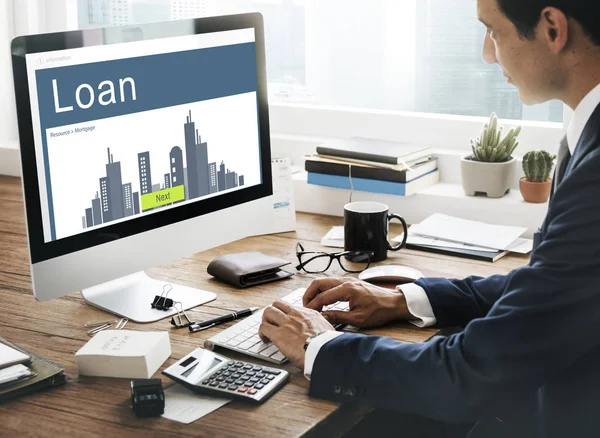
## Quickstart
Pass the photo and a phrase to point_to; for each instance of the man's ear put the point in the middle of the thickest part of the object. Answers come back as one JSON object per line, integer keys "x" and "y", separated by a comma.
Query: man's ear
{"x": 554, "y": 28}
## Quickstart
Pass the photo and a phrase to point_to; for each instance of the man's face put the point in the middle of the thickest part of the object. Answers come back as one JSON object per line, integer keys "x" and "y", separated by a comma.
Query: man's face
{"x": 526, "y": 63}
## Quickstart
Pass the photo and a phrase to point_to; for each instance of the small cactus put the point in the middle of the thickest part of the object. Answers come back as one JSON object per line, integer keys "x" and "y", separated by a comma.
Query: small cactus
{"x": 490, "y": 147}
{"x": 537, "y": 166}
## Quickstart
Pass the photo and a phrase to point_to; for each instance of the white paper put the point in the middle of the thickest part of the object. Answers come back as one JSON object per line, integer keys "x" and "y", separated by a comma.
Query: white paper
{"x": 453, "y": 229}
{"x": 14, "y": 372}
{"x": 430, "y": 241}
{"x": 10, "y": 356}
{"x": 185, "y": 406}
{"x": 521, "y": 246}
{"x": 334, "y": 238}
{"x": 284, "y": 209}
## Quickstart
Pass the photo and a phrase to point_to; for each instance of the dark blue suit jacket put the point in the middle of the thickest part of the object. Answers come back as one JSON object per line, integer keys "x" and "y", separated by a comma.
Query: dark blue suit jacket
{"x": 528, "y": 360}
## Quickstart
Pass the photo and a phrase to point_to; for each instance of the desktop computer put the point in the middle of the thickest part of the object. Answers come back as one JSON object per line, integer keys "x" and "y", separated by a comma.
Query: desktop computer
{"x": 140, "y": 145}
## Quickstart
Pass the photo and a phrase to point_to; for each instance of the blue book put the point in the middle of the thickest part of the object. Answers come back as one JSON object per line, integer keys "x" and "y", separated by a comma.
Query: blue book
{"x": 375, "y": 186}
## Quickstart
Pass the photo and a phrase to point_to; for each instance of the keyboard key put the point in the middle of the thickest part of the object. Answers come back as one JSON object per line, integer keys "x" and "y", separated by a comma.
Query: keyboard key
{"x": 252, "y": 391}
{"x": 243, "y": 389}
{"x": 241, "y": 338}
{"x": 246, "y": 345}
{"x": 250, "y": 373}
{"x": 214, "y": 383}
{"x": 244, "y": 378}
{"x": 269, "y": 351}
{"x": 247, "y": 367}
{"x": 236, "y": 376}
{"x": 265, "y": 381}
{"x": 206, "y": 382}
{"x": 232, "y": 388}
{"x": 255, "y": 339}
{"x": 260, "y": 375}
{"x": 239, "y": 382}
{"x": 271, "y": 371}
{"x": 231, "y": 363}
{"x": 227, "y": 374}
{"x": 233, "y": 343}
{"x": 259, "y": 347}
{"x": 221, "y": 378}
{"x": 239, "y": 364}
{"x": 257, "y": 368}
{"x": 223, "y": 385}
{"x": 259, "y": 386}
{"x": 270, "y": 377}
{"x": 254, "y": 380}
{"x": 278, "y": 356}
{"x": 230, "y": 380}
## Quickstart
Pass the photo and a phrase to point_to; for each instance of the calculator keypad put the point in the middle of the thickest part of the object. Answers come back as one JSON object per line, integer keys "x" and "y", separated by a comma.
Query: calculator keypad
{"x": 242, "y": 378}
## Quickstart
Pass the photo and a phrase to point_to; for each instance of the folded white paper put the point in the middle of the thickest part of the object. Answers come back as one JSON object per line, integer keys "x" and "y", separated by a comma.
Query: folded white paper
{"x": 124, "y": 353}
{"x": 334, "y": 238}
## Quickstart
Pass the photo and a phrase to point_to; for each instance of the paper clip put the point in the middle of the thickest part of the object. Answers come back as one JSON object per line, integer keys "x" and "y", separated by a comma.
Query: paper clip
{"x": 98, "y": 323}
{"x": 179, "y": 322}
{"x": 99, "y": 327}
{"x": 161, "y": 302}
{"x": 121, "y": 324}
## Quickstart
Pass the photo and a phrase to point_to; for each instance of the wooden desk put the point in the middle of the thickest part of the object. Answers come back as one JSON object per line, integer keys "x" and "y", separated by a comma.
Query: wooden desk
{"x": 100, "y": 406}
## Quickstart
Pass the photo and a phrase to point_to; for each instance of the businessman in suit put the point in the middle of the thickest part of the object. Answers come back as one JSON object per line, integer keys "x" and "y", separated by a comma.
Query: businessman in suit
{"x": 527, "y": 363}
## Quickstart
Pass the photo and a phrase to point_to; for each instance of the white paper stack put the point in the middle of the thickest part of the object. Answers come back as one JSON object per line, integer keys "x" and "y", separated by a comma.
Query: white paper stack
{"x": 443, "y": 231}
{"x": 124, "y": 353}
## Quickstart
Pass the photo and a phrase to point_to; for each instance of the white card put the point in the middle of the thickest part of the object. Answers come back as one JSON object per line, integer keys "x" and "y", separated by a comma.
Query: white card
{"x": 185, "y": 406}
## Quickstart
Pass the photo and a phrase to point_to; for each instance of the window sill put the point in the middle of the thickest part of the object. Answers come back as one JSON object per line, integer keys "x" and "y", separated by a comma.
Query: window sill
{"x": 444, "y": 198}
{"x": 10, "y": 161}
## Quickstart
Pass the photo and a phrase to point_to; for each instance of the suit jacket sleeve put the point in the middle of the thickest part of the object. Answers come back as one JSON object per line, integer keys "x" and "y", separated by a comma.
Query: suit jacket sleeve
{"x": 544, "y": 320}
{"x": 458, "y": 302}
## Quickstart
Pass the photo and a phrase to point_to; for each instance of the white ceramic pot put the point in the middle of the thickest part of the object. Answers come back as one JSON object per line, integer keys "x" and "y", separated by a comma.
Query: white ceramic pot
{"x": 490, "y": 179}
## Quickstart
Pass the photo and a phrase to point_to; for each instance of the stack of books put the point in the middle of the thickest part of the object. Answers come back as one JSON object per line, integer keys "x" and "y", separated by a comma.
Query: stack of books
{"x": 375, "y": 166}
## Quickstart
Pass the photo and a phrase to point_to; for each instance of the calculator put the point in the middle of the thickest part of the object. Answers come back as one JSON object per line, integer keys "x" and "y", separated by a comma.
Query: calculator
{"x": 206, "y": 372}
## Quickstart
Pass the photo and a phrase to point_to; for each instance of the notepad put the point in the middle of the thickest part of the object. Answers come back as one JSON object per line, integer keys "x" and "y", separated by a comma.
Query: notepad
{"x": 9, "y": 356}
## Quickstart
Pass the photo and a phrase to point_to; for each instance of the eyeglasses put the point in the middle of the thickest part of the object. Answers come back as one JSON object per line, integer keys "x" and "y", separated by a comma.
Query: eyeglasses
{"x": 316, "y": 262}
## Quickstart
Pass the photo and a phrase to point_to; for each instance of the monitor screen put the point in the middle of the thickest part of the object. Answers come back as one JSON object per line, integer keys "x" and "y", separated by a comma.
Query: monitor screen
{"x": 128, "y": 130}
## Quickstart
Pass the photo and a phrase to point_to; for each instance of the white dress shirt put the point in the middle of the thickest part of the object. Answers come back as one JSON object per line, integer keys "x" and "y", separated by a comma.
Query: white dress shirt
{"x": 416, "y": 299}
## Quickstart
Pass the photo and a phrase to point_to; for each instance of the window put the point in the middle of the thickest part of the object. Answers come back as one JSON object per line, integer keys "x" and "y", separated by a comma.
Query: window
{"x": 401, "y": 55}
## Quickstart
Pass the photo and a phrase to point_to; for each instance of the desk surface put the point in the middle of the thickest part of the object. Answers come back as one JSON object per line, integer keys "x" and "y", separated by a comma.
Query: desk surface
{"x": 100, "y": 406}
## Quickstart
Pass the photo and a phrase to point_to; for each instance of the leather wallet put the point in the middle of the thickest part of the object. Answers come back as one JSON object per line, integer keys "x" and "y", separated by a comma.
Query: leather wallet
{"x": 247, "y": 269}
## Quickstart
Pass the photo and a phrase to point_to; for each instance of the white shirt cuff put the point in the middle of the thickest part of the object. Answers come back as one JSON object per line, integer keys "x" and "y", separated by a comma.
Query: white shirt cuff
{"x": 418, "y": 305}
{"x": 313, "y": 349}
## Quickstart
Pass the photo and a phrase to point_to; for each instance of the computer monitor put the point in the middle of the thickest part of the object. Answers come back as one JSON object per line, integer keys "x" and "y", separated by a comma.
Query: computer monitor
{"x": 140, "y": 145}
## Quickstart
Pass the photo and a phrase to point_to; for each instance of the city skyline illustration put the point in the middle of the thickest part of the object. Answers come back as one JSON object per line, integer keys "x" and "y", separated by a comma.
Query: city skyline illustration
{"x": 116, "y": 199}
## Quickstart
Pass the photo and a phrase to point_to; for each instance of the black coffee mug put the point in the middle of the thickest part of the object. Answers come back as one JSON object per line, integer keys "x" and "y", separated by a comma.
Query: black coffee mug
{"x": 366, "y": 229}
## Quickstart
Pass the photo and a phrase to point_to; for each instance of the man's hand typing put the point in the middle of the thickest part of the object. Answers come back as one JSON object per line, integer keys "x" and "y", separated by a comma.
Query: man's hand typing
{"x": 370, "y": 305}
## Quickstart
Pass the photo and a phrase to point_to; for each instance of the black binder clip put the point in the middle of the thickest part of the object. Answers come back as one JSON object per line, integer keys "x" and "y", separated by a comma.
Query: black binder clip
{"x": 161, "y": 302}
{"x": 179, "y": 322}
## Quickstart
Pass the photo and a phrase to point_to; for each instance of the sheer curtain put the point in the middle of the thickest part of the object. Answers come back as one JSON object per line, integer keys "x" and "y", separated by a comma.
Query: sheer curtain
{"x": 21, "y": 17}
{"x": 8, "y": 117}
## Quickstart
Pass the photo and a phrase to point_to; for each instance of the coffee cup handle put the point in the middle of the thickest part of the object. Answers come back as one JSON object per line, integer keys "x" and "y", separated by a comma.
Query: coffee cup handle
{"x": 405, "y": 235}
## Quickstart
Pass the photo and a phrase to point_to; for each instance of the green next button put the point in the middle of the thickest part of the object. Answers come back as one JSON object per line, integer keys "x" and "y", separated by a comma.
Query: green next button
{"x": 162, "y": 197}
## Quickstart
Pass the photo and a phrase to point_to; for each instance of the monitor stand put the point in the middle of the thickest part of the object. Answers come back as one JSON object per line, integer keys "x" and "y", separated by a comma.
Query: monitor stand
{"x": 131, "y": 297}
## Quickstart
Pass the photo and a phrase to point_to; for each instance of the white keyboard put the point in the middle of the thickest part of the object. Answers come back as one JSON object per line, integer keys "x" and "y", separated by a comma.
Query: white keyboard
{"x": 243, "y": 336}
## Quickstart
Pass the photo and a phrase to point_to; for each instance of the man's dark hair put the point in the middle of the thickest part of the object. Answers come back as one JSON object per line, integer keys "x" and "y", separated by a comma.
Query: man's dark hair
{"x": 525, "y": 14}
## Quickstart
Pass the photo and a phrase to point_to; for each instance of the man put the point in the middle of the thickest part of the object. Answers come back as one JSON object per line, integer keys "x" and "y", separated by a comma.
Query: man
{"x": 528, "y": 360}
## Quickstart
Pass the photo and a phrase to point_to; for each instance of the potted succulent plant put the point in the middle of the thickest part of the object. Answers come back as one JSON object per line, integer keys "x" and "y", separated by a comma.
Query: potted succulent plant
{"x": 490, "y": 169}
{"x": 536, "y": 184}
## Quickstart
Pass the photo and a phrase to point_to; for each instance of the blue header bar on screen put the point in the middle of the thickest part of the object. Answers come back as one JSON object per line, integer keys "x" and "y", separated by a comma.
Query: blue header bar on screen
{"x": 80, "y": 93}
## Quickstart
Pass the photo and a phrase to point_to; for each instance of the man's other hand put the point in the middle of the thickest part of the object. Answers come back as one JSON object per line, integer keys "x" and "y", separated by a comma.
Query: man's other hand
{"x": 370, "y": 305}
{"x": 289, "y": 327}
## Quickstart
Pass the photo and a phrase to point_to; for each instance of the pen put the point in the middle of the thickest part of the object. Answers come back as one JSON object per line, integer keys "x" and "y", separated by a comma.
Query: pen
{"x": 196, "y": 327}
